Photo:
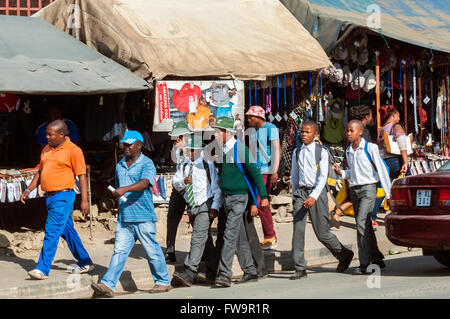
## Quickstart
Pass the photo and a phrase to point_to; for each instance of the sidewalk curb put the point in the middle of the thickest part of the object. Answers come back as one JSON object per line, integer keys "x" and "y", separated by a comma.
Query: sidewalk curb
{"x": 79, "y": 286}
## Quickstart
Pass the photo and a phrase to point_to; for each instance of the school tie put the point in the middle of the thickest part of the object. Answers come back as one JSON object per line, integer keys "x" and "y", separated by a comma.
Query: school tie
{"x": 190, "y": 188}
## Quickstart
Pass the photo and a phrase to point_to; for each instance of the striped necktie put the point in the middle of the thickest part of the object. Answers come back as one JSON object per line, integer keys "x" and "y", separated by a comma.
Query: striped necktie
{"x": 190, "y": 188}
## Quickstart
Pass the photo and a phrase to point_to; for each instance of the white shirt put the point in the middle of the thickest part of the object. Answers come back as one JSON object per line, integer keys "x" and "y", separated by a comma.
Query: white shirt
{"x": 200, "y": 182}
{"x": 361, "y": 170}
{"x": 304, "y": 169}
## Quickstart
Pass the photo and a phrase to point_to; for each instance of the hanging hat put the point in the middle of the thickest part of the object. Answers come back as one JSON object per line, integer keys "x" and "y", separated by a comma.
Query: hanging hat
{"x": 225, "y": 123}
{"x": 340, "y": 52}
{"x": 131, "y": 137}
{"x": 359, "y": 37}
{"x": 180, "y": 128}
{"x": 257, "y": 111}
{"x": 370, "y": 80}
{"x": 347, "y": 79}
{"x": 357, "y": 75}
{"x": 363, "y": 56}
{"x": 194, "y": 142}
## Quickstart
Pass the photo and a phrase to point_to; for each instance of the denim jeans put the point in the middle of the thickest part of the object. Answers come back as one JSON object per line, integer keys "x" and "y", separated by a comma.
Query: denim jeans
{"x": 60, "y": 224}
{"x": 126, "y": 235}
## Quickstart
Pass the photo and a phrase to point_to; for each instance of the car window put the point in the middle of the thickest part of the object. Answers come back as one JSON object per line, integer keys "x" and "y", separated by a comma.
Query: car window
{"x": 445, "y": 167}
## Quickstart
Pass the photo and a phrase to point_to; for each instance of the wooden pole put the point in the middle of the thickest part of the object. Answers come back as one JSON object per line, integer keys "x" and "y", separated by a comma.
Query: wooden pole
{"x": 378, "y": 95}
{"x": 88, "y": 167}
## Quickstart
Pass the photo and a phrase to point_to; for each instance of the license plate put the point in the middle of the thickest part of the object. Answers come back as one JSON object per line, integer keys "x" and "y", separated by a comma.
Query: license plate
{"x": 423, "y": 197}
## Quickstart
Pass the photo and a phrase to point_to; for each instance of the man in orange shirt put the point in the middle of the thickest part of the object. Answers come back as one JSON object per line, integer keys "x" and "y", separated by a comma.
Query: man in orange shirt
{"x": 61, "y": 161}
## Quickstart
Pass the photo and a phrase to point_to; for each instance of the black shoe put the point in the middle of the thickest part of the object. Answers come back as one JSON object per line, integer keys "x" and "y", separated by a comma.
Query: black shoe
{"x": 345, "y": 261}
{"x": 299, "y": 275}
{"x": 170, "y": 257}
{"x": 223, "y": 281}
{"x": 185, "y": 279}
{"x": 361, "y": 270}
{"x": 248, "y": 278}
{"x": 263, "y": 274}
{"x": 205, "y": 279}
{"x": 380, "y": 263}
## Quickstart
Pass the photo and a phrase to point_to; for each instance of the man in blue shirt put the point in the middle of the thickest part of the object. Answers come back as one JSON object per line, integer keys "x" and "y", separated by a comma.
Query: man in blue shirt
{"x": 54, "y": 113}
{"x": 265, "y": 147}
{"x": 135, "y": 174}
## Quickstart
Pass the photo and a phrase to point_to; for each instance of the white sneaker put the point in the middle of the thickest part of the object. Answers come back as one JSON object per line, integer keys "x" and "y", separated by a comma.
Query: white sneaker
{"x": 37, "y": 274}
{"x": 82, "y": 269}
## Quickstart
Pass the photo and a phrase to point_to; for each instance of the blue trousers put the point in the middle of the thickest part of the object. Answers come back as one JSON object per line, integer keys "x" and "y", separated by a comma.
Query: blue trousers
{"x": 126, "y": 235}
{"x": 60, "y": 224}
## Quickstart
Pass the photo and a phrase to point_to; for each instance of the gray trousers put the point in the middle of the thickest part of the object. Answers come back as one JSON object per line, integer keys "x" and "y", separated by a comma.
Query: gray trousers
{"x": 363, "y": 199}
{"x": 320, "y": 219}
{"x": 235, "y": 238}
{"x": 200, "y": 221}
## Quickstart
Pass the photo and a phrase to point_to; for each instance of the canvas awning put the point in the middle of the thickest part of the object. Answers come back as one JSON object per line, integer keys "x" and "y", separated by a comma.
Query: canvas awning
{"x": 37, "y": 58}
{"x": 425, "y": 23}
{"x": 191, "y": 38}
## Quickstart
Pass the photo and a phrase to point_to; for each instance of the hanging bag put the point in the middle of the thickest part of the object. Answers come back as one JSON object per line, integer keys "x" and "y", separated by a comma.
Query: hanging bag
{"x": 392, "y": 145}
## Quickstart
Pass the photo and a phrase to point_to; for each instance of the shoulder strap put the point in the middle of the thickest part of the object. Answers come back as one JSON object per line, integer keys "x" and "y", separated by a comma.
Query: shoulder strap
{"x": 370, "y": 158}
{"x": 253, "y": 189}
{"x": 318, "y": 155}
{"x": 208, "y": 173}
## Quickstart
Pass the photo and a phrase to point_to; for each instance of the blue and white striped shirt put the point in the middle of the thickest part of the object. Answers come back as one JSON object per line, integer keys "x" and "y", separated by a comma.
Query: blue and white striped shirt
{"x": 139, "y": 205}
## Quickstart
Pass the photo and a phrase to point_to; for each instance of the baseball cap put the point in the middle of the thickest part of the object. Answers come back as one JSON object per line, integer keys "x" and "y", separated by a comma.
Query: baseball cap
{"x": 131, "y": 137}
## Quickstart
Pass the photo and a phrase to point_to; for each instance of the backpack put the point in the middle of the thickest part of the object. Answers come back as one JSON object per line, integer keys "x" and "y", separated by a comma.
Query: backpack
{"x": 332, "y": 176}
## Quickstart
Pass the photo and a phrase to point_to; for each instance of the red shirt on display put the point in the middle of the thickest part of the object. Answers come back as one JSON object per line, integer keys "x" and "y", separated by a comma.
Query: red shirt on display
{"x": 187, "y": 93}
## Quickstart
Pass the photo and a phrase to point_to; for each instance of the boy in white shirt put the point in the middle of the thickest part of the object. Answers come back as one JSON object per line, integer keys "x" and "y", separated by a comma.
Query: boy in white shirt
{"x": 366, "y": 169}
{"x": 199, "y": 180}
{"x": 309, "y": 195}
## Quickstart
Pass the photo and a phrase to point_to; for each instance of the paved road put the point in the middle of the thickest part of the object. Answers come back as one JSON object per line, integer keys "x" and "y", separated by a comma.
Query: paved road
{"x": 408, "y": 275}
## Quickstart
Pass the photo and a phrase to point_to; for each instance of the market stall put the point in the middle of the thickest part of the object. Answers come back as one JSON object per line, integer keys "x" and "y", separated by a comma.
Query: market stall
{"x": 54, "y": 71}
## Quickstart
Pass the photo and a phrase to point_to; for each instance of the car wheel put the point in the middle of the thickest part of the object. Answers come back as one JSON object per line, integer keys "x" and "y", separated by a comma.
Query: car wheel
{"x": 443, "y": 257}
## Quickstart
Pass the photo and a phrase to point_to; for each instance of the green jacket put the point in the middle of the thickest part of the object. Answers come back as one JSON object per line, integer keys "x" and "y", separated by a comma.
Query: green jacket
{"x": 231, "y": 180}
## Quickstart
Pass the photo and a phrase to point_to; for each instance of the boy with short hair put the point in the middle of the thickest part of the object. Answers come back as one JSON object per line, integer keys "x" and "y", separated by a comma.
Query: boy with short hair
{"x": 198, "y": 179}
{"x": 309, "y": 195}
{"x": 366, "y": 169}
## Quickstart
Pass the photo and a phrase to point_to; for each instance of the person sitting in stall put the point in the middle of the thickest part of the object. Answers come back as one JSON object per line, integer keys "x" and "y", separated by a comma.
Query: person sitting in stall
{"x": 54, "y": 113}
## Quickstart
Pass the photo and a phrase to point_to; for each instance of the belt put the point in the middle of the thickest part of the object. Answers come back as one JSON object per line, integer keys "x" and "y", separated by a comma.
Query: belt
{"x": 307, "y": 188}
{"x": 50, "y": 194}
{"x": 360, "y": 186}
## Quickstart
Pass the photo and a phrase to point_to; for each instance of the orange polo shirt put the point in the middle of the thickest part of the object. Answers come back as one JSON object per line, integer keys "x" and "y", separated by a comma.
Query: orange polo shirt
{"x": 59, "y": 166}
